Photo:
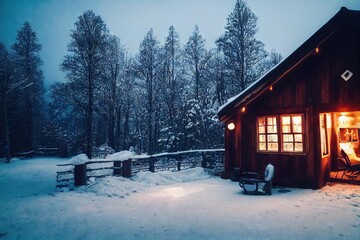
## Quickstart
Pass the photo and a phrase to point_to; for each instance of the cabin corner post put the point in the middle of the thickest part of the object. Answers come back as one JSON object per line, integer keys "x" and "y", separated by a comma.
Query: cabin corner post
{"x": 314, "y": 154}
{"x": 230, "y": 148}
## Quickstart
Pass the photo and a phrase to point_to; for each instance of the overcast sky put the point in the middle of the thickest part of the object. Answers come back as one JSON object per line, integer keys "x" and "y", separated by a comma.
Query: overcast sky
{"x": 283, "y": 24}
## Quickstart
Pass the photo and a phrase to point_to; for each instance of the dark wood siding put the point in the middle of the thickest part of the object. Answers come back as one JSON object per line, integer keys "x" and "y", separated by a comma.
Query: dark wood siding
{"x": 312, "y": 87}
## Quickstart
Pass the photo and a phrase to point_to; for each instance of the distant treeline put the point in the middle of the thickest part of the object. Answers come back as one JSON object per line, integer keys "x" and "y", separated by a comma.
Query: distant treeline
{"x": 165, "y": 98}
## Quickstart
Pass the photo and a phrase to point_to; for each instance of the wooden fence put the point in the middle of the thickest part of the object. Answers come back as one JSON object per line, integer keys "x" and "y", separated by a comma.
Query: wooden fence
{"x": 177, "y": 161}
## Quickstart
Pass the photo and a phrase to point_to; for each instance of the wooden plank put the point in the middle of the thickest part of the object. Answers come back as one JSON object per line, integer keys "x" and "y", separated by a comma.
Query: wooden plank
{"x": 64, "y": 172}
{"x": 65, "y": 179}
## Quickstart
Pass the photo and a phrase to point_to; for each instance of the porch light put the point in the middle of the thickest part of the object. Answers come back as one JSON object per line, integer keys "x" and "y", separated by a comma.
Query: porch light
{"x": 317, "y": 50}
{"x": 271, "y": 88}
{"x": 231, "y": 126}
{"x": 243, "y": 109}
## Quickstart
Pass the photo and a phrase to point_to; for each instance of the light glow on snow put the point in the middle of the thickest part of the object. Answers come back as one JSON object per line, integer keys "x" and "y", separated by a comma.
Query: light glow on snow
{"x": 175, "y": 192}
{"x": 178, "y": 192}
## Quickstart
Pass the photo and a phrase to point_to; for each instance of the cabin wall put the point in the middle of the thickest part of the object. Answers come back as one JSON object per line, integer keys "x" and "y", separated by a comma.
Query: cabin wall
{"x": 313, "y": 87}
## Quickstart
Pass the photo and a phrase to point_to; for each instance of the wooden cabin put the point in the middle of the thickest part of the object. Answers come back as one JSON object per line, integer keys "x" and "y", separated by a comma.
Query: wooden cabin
{"x": 298, "y": 114}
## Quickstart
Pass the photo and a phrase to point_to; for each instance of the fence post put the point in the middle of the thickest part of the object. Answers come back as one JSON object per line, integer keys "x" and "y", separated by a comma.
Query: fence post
{"x": 126, "y": 168}
{"x": 80, "y": 175}
{"x": 178, "y": 159}
{"x": 117, "y": 168}
{"x": 204, "y": 160}
{"x": 151, "y": 165}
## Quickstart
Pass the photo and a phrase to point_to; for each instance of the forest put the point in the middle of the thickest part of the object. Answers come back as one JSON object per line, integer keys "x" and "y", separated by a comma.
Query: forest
{"x": 163, "y": 98}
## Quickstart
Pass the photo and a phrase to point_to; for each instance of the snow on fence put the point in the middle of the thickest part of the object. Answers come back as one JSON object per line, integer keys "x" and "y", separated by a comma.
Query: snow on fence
{"x": 81, "y": 170}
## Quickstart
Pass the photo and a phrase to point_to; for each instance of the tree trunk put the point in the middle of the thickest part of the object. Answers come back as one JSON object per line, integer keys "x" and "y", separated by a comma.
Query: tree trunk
{"x": 6, "y": 131}
{"x": 111, "y": 127}
{"x": 118, "y": 131}
{"x": 126, "y": 128}
{"x": 89, "y": 120}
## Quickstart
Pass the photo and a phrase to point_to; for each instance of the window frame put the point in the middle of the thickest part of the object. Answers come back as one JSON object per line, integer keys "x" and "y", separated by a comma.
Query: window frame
{"x": 280, "y": 133}
{"x": 292, "y": 133}
{"x": 266, "y": 133}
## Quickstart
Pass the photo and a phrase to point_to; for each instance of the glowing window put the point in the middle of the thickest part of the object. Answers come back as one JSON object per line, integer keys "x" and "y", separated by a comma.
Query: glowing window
{"x": 292, "y": 139}
{"x": 283, "y": 133}
{"x": 267, "y": 134}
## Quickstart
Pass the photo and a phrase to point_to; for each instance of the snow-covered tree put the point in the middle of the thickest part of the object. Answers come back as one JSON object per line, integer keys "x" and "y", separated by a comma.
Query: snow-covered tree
{"x": 65, "y": 120}
{"x": 6, "y": 86}
{"x": 242, "y": 52}
{"x": 197, "y": 57}
{"x": 31, "y": 93}
{"x": 148, "y": 67}
{"x": 172, "y": 86}
{"x": 111, "y": 86}
{"x": 83, "y": 66}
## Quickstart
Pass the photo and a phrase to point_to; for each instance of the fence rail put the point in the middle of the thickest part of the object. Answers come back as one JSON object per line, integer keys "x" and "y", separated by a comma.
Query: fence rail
{"x": 176, "y": 161}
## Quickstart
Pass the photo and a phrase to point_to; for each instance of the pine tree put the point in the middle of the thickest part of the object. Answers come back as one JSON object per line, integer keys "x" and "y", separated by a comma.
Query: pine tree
{"x": 241, "y": 50}
{"x": 31, "y": 93}
{"x": 172, "y": 86}
{"x": 172, "y": 71}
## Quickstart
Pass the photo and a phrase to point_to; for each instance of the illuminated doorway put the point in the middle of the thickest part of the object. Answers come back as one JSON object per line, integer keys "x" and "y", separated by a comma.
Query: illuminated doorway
{"x": 348, "y": 127}
{"x": 340, "y": 131}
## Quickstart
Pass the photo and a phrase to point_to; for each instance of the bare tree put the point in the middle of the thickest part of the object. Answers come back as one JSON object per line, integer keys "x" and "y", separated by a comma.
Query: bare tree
{"x": 197, "y": 57}
{"x": 148, "y": 69}
{"x": 84, "y": 64}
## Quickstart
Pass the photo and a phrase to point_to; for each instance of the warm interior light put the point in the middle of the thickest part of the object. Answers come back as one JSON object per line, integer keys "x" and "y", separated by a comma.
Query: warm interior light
{"x": 243, "y": 109}
{"x": 271, "y": 88}
{"x": 317, "y": 50}
{"x": 231, "y": 126}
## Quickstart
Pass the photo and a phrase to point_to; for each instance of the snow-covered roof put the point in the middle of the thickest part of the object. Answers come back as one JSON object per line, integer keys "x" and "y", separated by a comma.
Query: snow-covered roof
{"x": 232, "y": 99}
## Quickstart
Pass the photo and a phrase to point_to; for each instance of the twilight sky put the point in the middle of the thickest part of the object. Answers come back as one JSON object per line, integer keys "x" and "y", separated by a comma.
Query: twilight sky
{"x": 283, "y": 24}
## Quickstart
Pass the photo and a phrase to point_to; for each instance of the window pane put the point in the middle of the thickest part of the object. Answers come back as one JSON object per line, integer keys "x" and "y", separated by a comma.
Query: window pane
{"x": 288, "y": 147}
{"x": 272, "y": 147}
{"x": 272, "y": 138}
{"x": 286, "y": 129}
{"x": 285, "y": 120}
{"x": 262, "y": 138}
{"x": 288, "y": 138}
{"x": 262, "y": 146}
{"x": 297, "y": 128}
{"x": 298, "y": 147}
{"x": 298, "y": 138}
{"x": 271, "y": 129}
{"x": 296, "y": 120}
{"x": 261, "y": 121}
{"x": 297, "y": 125}
{"x": 262, "y": 129}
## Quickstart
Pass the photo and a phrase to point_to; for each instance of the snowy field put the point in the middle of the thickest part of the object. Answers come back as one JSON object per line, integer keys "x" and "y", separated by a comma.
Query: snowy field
{"x": 189, "y": 204}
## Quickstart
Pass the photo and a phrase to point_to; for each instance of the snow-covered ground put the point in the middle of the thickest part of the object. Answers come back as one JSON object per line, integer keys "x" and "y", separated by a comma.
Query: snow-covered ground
{"x": 190, "y": 204}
